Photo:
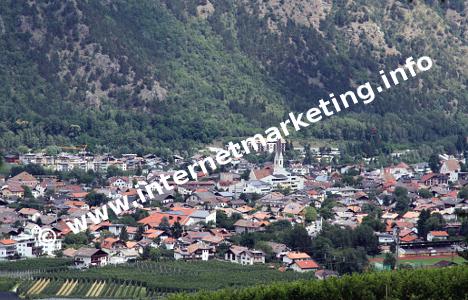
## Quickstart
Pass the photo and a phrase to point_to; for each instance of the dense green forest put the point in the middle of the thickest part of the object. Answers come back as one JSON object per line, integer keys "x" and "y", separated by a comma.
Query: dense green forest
{"x": 448, "y": 283}
{"x": 155, "y": 76}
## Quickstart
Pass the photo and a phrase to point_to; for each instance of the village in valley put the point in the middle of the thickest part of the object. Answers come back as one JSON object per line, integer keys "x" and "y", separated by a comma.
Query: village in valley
{"x": 303, "y": 213}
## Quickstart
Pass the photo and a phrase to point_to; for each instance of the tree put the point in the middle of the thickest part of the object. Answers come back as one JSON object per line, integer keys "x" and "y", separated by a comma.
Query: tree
{"x": 463, "y": 194}
{"x": 374, "y": 222}
{"x": 464, "y": 229}
{"x": 308, "y": 158}
{"x": 349, "y": 260}
{"x": 389, "y": 261}
{"x": 76, "y": 239}
{"x": 434, "y": 163}
{"x": 52, "y": 150}
{"x": 248, "y": 239}
{"x": 461, "y": 143}
{"x": 402, "y": 200}
{"x": 178, "y": 197}
{"x": 435, "y": 222}
{"x": 27, "y": 192}
{"x": 164, "y": 225}
{"x": 177, "y": 230}
{"x": 139, "y": 233}
{"x": 425, "y": 193}
{"x": 298, "y": 239}
{"x": 310, "y": 214}
{"x": 266, "y": 248}
{"x": 124, "y": 234}
{"x": 114, "y": 171}
{"x": 223, "y": 221}
{"x": 245, "y": 175}
{"x": 364, "y": 237}
{"x": 423, "y": 218}
{"x": 96, "y": 199}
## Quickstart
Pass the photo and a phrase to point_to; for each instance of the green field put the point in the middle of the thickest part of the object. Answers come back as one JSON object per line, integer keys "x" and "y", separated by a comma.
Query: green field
{"x": 431, "y": 261}
{"x": 33, "y": 264}
{"x": 152, "y": 279}
{"x": 430, "y": 284}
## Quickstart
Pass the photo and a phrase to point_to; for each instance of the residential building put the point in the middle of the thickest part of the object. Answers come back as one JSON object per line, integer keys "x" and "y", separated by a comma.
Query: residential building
{"x": 244, "y": 255}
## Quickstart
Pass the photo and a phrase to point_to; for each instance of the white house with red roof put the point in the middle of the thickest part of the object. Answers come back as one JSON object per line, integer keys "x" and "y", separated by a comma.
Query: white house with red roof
{"x": 293, "y": 256}
{"x": 437, "y": 235}
{"x": 305, "y": 266}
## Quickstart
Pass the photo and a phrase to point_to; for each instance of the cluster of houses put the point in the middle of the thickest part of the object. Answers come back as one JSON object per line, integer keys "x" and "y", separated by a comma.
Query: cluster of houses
{"x": 194, "y": 207}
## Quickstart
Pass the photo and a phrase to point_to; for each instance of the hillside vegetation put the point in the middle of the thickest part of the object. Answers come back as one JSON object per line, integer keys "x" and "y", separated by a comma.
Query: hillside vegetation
{"x": 161, "y": 75}
{"x": 449, "y": 283}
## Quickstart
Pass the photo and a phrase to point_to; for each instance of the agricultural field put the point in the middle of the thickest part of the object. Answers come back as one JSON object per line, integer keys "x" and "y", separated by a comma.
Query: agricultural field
{"x": 42, "y": 263}
{"x": 53, "y": 287}
{"x": 430, "y": 261}
{"x": 418, "y": 262}
{"x": 148, "y": 280}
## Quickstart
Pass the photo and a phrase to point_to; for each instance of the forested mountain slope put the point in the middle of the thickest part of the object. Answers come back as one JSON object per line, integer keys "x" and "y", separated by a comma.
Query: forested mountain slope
{"x": 155, "y": 75}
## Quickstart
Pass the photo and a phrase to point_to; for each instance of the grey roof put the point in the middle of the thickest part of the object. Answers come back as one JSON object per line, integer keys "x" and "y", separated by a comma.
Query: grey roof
{"x": 200, "y": 214}
{"x": 84, "y": 251}
{"x": 226, "y": 194}
{"x": 258, "y": 183}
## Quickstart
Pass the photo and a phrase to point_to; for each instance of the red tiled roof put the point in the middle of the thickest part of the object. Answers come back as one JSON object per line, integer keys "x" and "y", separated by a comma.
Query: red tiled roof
{"x": 297, "y": 255}
{"x": 307, "y": 264}
{"x": 7, "y": 242}
{"x": 262, "y": 173}
{"x": 439, "y": 233}
{"x": 155, "y": 219}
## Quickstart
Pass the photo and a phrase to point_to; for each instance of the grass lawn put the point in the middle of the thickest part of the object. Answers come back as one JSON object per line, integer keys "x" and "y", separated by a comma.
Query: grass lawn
{"x": 431, "y": 261}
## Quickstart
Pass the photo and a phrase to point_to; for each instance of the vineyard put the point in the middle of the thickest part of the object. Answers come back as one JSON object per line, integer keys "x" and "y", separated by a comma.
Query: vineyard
{"x": 150, "y": 280}
{"x": 429, "y": 284}
{"x": 52, "y": 287}
{"x": 42, "y": 264}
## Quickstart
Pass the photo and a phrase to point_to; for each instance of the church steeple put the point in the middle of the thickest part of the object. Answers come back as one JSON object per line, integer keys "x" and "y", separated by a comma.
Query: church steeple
{"x": 278, "y": 161}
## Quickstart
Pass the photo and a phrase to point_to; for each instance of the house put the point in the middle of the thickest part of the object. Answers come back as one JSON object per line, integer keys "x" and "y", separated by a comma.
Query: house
{"x": 7, "y": 249}
{"x": 293, "y": 256}
{"x": 196, "y": 251}
{"x": 432, "y": 179}
{"x": 242, "y": 226}
{"x": 250, "y": 187}
{"x": 111, "y": 243}
{"x": 13, "y": 190}
{"x": 399, "y": 171}
{"x": 201, "y": 198}
{"x": 244, "y": 255}
{"x": 450, "y": 167}
{"x": 27, "y": 246}
{"x": 89, "y": 257}
{"x": 437, "y": 235}
{"x": 30, "y": 213}
{"x": 293, "y": 208}
{"x": 278, "y": 248}
{"x": 23, "y": 179}
{"x": 305, "y": 266}
{"x": 123, "y": 256}
{"x": 120, "y": 182}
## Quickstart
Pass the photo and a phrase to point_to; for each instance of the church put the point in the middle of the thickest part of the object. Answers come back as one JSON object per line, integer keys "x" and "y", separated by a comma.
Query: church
{"x": 277, "y": 175}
